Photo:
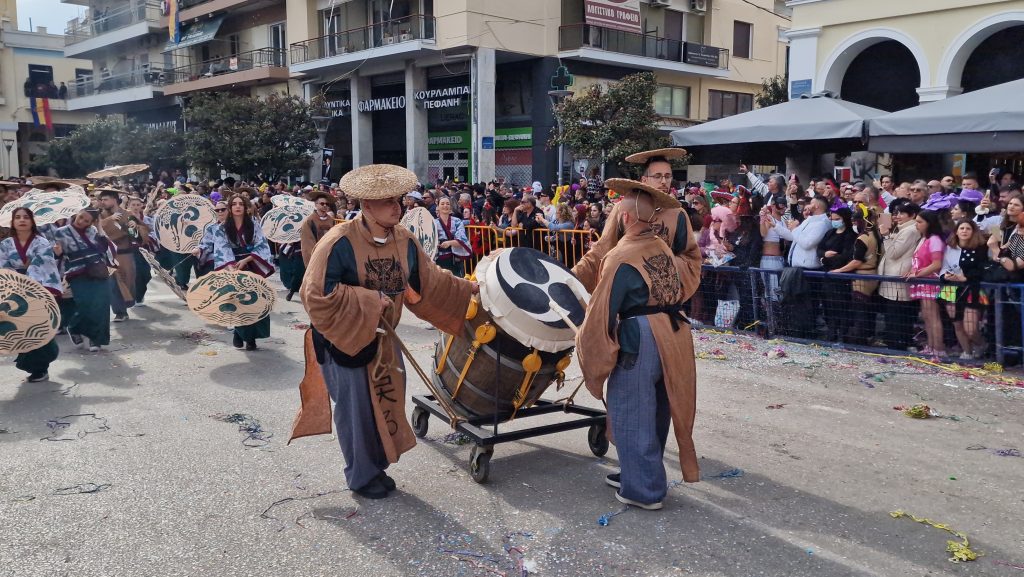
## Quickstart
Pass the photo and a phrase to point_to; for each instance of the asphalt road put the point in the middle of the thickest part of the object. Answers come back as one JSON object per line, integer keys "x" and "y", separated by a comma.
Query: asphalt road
{"x": 177, "y": 492}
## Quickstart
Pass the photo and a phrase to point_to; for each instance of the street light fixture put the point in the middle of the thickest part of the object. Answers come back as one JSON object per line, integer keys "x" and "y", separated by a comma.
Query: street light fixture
{"x": 557, "y": 97}
{"x": 8, "y": 144}
{"x": 323, "y": 124}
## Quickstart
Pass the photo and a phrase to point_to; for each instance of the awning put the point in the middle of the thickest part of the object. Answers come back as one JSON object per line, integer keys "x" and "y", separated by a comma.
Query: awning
{"x": 196, "y": 33}
{"x": 818, "y": 124}
{"x": 987, "y": 120}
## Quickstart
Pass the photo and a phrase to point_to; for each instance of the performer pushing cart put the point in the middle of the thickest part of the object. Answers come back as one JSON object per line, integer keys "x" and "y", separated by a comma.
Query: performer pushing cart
{"x": 360, "y": 276}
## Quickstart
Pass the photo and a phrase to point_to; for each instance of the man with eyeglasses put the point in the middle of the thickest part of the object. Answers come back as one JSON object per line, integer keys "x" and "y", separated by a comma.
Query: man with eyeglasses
{"x": 918, "y": 192}
{"x": 316, "y": 225}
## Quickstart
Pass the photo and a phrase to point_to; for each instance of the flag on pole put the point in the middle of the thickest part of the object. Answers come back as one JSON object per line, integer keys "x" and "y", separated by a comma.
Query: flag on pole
{"x": 41, "y": 115}
{"x": 174, "y": 24}
{"x": 35, "y": 110}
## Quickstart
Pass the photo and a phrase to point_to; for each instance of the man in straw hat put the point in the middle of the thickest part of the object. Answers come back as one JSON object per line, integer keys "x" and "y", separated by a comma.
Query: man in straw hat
{"x": 360, "y": 276}
{"x": 670, "y": 224}
{"x": 636, "y": 338}
{"x": 127, "y": 232}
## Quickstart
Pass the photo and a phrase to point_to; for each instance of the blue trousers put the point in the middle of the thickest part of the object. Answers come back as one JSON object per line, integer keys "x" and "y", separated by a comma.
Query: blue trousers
{"x": 639, "y": 413}
{"x": 354, "y": 423}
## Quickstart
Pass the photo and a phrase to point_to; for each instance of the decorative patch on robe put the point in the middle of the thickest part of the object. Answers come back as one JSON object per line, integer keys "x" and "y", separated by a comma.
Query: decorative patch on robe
{"x": 664, "y": 279}
{"x": 384, "y": 275}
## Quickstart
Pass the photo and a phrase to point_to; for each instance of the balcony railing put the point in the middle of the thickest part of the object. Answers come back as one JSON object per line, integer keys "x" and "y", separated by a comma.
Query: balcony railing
{"x": 576, "y": 36}
{"x": 260, "y": 58}
{"x": 99, "y": 22}
{"x": 415, "y": 27}
{"x": 105, "y": 82}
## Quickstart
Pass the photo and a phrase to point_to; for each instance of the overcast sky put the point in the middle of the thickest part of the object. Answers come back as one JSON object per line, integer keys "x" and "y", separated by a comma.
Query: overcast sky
{"x": 49, "y": 13}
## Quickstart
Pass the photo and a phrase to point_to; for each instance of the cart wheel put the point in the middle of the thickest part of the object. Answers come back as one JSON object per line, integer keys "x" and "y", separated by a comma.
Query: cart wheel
{"x": 480, "y": 466}
{"x": 598, "y": 440}
{"x": 420, "y": 422}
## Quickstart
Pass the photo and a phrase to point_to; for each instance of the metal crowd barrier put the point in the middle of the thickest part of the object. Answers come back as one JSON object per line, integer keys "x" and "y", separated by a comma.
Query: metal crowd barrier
{"x": 829, "y": 311}
{"x": 566, "y": 246}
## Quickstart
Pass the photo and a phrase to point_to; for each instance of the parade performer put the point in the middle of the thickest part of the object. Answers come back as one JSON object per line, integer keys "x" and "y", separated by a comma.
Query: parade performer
{"x": 316, "y": 225}
{"x": 204, "y": 252}
{"x": 126, "y": 232}
{"x": 239, "y": 244}
{"x": 361, "y": 275}
{"x": 636, "y": 338}
{"x": 87, "y": 256}
{"x": 28, "y": 252}
{"x": 453, "y": 245}
{"x": 671, "y": 225}
{"x": 143, "y": 272}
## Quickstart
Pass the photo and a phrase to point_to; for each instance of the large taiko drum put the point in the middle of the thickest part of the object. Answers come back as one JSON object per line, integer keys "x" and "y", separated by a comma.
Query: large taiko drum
{"x": 513, "y": 317}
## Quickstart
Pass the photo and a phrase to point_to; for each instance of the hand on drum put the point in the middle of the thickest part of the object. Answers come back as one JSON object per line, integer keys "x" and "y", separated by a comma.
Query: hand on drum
{"x": 476, "y": 288}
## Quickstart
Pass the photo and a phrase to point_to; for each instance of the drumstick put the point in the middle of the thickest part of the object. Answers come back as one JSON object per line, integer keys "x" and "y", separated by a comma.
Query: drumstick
{"x": 452, "y": 416}
{"x": 564, "y": 314}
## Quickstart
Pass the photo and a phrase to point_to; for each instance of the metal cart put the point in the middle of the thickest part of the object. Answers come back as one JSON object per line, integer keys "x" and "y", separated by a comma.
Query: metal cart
{"x": 484, "y": 433}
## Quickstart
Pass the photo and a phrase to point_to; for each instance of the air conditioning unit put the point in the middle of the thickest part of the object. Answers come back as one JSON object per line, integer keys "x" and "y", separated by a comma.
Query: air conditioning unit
{"x": 662, "y": 3}
{"x": 699, "y": 5}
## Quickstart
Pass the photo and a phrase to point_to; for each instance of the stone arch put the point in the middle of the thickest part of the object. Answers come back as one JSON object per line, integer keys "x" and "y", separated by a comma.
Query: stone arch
{"x": 830, "y": 76}
{"x": 951, "y": 68}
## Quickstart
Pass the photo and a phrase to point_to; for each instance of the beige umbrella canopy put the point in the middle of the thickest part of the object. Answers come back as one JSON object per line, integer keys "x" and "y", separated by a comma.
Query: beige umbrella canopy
{"x": 118, "y": 171}
{"x": 231, "y": 298}
{"x": 286, "y": 200}
{"x": 181, "y": 221}
{"x": 283, "y": 224}
{"x": 46, "y": 207}
{"x": 420, "y": 223}
{"x": 162, "y": 273}
{"x": 29, "y": 315}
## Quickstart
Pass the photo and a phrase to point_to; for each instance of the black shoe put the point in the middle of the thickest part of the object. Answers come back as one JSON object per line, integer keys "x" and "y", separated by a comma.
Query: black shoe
{"x": 372, "y": 490}
{"x": 289, "y": 296}
{"x": 39, "y": 377}
{"x": 76, "y": 340}
{"x": 614, "y": 479}
{"x": 250, "y": 346}
{"x": 387, "y": 481}
{"x": 237, "y": 341}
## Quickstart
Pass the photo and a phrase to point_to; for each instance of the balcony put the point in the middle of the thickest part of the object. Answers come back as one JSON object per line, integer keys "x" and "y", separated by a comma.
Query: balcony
{"x": 245, "y": 69}
{"x": 401, "y": 38}
{"x": 192, "y": 9}
{"x": 132, "y": 20}
{"x": 109, "y": 89}
{"x": 644, "y": 51}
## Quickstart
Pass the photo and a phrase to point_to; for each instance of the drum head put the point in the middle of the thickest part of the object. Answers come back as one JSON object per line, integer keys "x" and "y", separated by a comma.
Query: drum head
{"x": 420, "y": 223}
{"x": 517, "y": 286}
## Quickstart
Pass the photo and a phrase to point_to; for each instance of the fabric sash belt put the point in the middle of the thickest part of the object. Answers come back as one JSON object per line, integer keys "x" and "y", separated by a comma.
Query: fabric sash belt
{"x": 674, "y": 312}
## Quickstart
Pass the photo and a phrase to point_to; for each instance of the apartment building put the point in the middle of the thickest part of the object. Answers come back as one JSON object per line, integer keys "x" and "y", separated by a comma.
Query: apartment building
{"x": 450, "y": 88}
{"x": 142, "y": 69}
{"x": 459, "y": 88}
{"x": 32, "y": 111}
{"x": 895, "y": 55}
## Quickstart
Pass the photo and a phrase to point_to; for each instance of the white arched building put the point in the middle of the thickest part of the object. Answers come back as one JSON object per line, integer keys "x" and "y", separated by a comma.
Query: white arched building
{"x": 893, "y": 54}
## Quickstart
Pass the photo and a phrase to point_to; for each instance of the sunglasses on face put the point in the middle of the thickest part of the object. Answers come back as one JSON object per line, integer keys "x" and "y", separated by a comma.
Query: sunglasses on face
{"x": 219, "y": 210}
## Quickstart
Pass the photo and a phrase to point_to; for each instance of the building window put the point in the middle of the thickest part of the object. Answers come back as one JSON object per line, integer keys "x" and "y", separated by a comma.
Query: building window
{"x": 742, "y": 39}
{"x": 672, "y": 101}
{"x": 722, "y": 104}
{"x": 235, "y": 44}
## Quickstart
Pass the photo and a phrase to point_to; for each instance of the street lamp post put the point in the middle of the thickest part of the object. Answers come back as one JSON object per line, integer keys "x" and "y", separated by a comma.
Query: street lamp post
{"x": 9, "y": 144}
{"x": 323, "y": 123}
{"x": 557, "y": 96}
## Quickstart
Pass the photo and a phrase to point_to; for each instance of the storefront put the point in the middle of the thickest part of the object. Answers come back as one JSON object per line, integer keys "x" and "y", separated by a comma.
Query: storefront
{"x": 443, "y": 107}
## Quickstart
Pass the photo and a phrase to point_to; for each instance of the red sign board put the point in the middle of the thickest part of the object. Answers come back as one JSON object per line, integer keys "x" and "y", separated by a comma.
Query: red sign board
{"x": 617, "y": 14}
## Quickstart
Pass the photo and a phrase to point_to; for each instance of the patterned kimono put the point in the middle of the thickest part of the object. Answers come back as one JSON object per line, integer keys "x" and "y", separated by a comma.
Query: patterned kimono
{"x": 92, "y": 295}
{"x": 38, "y": 262}
{"x": 452, "y": 259}
{"x": 225, "y": 253}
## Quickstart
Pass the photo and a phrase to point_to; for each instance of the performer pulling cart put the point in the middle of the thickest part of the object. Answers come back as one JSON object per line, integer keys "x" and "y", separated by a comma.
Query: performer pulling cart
{"x": 361, "y": 274}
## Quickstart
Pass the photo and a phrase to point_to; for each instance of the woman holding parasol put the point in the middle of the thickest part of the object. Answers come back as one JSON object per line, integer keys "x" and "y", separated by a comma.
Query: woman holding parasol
{"x": 88, "y": 257}
{"x": 28, "y": 252}
{"x": 239, "y": 244}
